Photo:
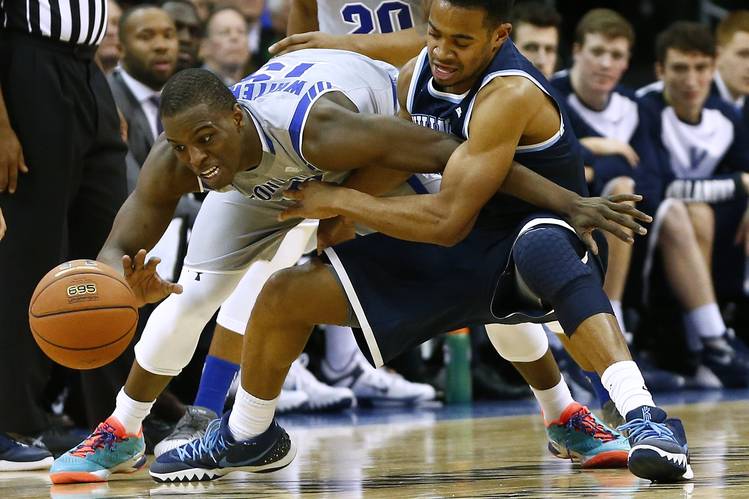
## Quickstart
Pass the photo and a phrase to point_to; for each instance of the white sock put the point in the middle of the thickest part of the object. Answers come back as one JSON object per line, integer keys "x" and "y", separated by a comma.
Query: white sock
{"x": 131, "y": 413}
{"x": 617, "y": 306}
{"x": 554, "y": 400}
{"x": 250, "y": 415}
{"x": 705, "y": 321}
{"x": 340, "y": 346}
{"x": 626, "y": 387}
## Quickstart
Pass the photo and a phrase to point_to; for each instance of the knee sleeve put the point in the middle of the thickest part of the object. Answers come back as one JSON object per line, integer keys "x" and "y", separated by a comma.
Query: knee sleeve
{"x": 236, "y": 309}
{"x": 550, "y": 261}
{"x": 172, "y": 332}
{"x": 518, "y": 343}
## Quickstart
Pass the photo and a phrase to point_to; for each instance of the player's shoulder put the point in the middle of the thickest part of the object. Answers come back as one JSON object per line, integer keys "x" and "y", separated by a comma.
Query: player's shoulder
{"x": 162, "y": 176}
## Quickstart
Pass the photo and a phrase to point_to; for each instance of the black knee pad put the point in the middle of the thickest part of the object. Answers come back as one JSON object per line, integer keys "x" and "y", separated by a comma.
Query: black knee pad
{"x": 549, "y": 260}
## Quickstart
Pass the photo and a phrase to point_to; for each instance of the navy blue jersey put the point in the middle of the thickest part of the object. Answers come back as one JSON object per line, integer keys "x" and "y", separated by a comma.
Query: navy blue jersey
{"x": 715, "y": 150}
{"x": 719, "y": 90}
{"x": 558, "y": 158}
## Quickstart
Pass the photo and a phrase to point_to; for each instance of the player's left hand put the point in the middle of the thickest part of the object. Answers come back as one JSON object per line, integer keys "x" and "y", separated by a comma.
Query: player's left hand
{"x": 314, "y": 199}
{"x": 311, "y": 40}
{"x": 742, "y": 234}
{"x": 614, "y": 214}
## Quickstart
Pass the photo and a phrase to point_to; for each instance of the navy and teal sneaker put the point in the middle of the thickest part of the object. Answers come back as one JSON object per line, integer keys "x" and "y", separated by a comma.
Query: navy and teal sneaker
{"x": 581, "y": 436}
{"x": 109, "y": 449}
{"x": 217, "y": 453}
{"x": 659, "y": 446}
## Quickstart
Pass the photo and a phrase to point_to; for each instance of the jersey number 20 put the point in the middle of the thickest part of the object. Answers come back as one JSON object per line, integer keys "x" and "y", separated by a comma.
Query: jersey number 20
{"x": 388, "y": 17}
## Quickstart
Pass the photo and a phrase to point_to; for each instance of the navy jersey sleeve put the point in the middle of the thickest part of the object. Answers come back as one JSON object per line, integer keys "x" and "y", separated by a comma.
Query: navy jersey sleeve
{"x": 737, "y": 156}
{"x": 653, "y": 174}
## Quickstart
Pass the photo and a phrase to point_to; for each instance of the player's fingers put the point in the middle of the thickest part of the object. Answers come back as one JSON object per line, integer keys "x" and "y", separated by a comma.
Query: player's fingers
{"x": 287, "y": 42}
{"x": 22, "y": 162}
{"x": 127, "y": 265}
{"x": 293, "y": 194}
{"x": 626, "y": 221}
{"x": 625, "y": 198}
{"x": 139, "y": 260}
{"x": 12, "y": 178}
{"x": 153, "y": 262}
{"x": 588, "y": 240}
{"x": 616, "y": 229}
{"x": 174, "y": 288}
{"x": 3, "y": 176}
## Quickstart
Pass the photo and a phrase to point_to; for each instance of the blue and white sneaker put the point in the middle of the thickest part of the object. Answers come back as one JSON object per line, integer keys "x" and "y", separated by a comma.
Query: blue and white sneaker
{"x": 659, "y": 446}
{"x": 17, "y": 456}
{"x": 217, "y": 453}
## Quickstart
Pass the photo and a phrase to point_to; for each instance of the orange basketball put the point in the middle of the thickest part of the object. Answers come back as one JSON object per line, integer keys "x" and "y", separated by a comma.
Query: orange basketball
{"x": 83, "y": 314}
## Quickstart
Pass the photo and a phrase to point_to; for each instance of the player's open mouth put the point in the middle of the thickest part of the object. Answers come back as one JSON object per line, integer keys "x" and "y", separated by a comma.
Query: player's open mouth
{"x": 443, "y": 72}
{"x": 210, "y": 173}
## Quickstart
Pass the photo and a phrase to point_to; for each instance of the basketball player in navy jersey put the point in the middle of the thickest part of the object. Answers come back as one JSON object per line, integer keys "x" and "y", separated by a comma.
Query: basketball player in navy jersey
{"x": 464, "y": 255}
{"x": 699, "y": 186}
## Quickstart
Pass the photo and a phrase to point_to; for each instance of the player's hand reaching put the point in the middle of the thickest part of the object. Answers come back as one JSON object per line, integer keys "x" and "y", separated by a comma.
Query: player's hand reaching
{"x": 332, "y": 231}
{"x": 143, "y": 279}
{"x": 313, "y": 200}
{"x": 11, "y": 159}
{"x": 614, "y": 214}
{"x": 311, "y": 40}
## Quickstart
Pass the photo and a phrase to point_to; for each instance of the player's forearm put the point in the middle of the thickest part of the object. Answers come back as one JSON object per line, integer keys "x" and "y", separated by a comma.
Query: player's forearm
{"x": 302, "y": 17}
{"x": 395, "y": 48}
{"x": 375, "y": 181}
{"x": 412, "y": 218}
{"x": 525, "y": 184}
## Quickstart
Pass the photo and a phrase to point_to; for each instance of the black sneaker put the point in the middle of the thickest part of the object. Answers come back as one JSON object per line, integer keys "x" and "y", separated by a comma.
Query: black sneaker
{"x": 659, "y": 450}
{"x": 729, "y": 366}
{"x": 18, "y": 456}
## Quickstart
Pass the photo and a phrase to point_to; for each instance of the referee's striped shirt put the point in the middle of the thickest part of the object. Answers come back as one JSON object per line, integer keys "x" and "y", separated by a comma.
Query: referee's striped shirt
{"x": 81, "y": 22}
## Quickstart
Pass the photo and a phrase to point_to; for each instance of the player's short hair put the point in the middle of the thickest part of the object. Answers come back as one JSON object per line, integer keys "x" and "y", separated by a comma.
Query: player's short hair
{"x": 497, "y": 11}
{"x": 192, "y": 87}
{"x": 537, "y": 14}
{"x": 735, "y": 21}
{"x": 604, "y": 22}
{"x": 684, "y": 36}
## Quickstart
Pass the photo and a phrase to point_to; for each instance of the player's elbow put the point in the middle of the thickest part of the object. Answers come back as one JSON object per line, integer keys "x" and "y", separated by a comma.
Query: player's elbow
{"x": 450, "y": 233}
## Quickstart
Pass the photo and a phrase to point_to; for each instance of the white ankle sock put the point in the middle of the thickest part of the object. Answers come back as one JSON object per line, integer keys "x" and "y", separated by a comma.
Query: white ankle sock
{"x": 705, "y": 321}
{"x": 131, "y": 413}
{"x": 554, "y": 400}
{"x": 250, "y": 415}
{"x": 340, "y": 346}
{"x": 626, "y": 387}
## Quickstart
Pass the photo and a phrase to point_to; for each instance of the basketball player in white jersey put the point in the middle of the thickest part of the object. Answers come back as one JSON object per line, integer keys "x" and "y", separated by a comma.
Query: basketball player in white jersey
{"x": 283, "y": 129}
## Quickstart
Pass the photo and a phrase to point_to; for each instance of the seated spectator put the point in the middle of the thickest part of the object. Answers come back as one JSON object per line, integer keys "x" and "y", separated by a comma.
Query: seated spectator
{"x": 535, "y": 31}
{"x": 225, "y": 51}
{"x": 109, "y": 51}
{"x": 189, "y": 31}
{"x": 704, "y": 148}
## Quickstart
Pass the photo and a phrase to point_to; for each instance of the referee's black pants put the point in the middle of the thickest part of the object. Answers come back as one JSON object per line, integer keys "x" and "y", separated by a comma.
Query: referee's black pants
{"x": 63, "y": 113}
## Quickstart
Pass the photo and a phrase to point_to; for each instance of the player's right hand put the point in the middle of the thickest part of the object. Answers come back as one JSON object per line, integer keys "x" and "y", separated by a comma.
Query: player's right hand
{"x": 11, "y": 160}
{"x": 311, "y": 40}
{"x": 143, "y": 279}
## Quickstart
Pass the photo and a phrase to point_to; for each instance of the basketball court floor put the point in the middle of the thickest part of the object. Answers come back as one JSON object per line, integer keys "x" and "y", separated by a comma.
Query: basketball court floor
{"x": 495, "y": 449}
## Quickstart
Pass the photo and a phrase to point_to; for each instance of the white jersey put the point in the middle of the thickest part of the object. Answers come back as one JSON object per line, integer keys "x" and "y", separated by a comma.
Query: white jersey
{"x": 279, "y": 97}
{"x": 341, "y": 17}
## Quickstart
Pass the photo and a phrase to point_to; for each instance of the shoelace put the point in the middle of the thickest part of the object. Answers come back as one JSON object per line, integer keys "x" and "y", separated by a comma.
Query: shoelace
{"x": 104, "y": 435}
{"x": 207, "y": 444}
{"x": 584, "y": 421}
{"x": 640, "y": 429}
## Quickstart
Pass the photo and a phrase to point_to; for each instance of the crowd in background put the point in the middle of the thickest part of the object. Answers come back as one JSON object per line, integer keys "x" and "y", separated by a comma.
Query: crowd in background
{"x": 680, "y": 293}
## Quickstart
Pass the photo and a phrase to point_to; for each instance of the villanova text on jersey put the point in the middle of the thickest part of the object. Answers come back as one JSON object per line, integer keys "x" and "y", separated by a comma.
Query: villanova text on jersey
{"x": 557, "y": 158}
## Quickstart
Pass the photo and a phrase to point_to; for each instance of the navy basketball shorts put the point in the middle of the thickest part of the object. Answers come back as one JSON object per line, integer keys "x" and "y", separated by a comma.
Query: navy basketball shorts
{"x": 404, "y": 293}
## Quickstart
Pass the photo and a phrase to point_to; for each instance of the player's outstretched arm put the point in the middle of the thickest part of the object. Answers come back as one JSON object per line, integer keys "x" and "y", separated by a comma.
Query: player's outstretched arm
{"x": 337, "y": 138}
{"x": 142, "y": 220}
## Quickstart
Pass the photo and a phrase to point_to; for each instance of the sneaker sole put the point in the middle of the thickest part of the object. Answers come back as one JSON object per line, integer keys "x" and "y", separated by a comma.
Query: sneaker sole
{"x": 203, "y": 475}
{"x": 129, "y": 466}
{"x": 42, "y": 464}
{"x": 654, "y": 464}
{"x": 607, "y": 459}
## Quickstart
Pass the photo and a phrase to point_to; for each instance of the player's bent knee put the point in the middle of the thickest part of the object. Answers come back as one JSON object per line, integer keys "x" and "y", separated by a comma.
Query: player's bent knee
{"x": 549, "y": 261}
{"x": 520, "y": 342}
